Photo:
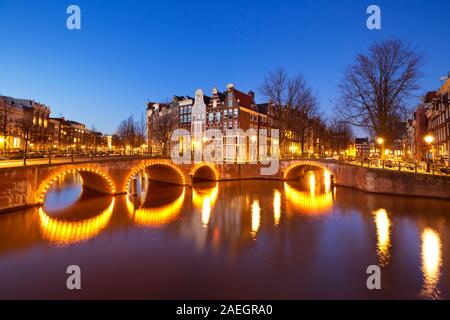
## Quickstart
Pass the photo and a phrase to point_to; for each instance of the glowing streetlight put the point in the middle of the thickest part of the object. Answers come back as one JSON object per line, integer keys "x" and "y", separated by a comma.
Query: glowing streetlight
{"x": 429, "y": 139}
{"x": 380, "y": 141}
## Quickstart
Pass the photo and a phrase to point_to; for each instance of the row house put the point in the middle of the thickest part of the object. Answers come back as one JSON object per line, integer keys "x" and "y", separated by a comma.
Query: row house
{"x": 439, "y": 121}
{"x": 232, "y": 112}
{"x": 18, "y": 116}
{"x": 431, "y": 117}
{"x": 241, "y": 121}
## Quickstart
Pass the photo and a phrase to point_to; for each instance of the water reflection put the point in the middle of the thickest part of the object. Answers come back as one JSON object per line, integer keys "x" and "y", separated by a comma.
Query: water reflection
{"x": 256, "y": 218}
{"x": 431, "y": 263}
{"x": 227, "y": 229}
{"x": 276, "y": 207}
{"x": 204, "y": 198}
{"x": 162, "y": 205}
{"x": 61, "y": 232}
{"x": 383, "y": 225}
{"x": 307, "y": 202}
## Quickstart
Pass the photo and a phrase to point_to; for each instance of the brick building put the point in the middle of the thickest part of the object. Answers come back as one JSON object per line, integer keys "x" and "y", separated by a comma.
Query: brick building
{"x": 13, "y": 115}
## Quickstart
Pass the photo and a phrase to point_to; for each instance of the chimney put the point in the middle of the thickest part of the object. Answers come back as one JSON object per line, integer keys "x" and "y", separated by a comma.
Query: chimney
{"x": 251, "y": 94}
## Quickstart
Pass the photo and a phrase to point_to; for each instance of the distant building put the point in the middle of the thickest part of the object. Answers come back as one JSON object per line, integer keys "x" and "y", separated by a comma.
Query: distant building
{"x": 232, "y": 112}
{"x": 439, "y": 121}
{"x": 362, "y": 146}
{"x": 13, "y": 115}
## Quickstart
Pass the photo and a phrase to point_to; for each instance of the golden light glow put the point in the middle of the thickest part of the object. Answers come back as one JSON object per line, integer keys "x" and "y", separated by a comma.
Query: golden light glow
{"x": 431, "y": 262}
{"x": 276, "y": 207}
{"x": 196, "y": 168}
{"x": 256, "y": 218}
{"x": 302, "y": 163}
{"x": 383, "y": 225}
{"x": 429, "y": 139}
{"x": 149, "y": 164}
{"x": 307, "y": 203}
{"x": 157, "y": 217}
{"x": 327, "y": 180}
{"x": 64, "y": 233}
{"x": 205, "y": 199}
{"x": 312, "y": 183}
{"x": 47, "y": 184}
{"x": 380, "y": 141}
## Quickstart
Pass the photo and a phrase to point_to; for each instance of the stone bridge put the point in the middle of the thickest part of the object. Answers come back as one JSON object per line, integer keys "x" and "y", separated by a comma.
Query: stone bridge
{"x": 26, "y": 186}
{"x": 22, "y": 187}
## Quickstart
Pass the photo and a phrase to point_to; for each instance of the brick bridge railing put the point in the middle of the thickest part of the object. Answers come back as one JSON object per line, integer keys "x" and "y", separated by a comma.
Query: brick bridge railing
{"x": 27, "y": 186}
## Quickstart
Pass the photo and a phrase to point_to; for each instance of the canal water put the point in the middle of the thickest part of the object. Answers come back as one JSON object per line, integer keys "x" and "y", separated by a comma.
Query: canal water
{"x": 233, "y": 240}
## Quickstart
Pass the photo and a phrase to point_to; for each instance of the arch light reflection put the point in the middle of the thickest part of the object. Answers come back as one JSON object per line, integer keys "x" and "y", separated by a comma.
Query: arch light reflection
{"x": 276, "y": 207}
{"x": 383, "y": 225}
{"x": 308, "y": 202}
{"x": 205, "y": 199}
{"x": 256, "y": 218}
{"x": 64, "y": 233}
{"x": 431, "y": 262}
{"x": 158, "y": 216}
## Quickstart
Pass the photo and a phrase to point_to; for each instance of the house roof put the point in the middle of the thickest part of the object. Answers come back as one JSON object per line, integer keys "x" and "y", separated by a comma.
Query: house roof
{"x": 263, "y": 107}
{"x": 245, "y": 100}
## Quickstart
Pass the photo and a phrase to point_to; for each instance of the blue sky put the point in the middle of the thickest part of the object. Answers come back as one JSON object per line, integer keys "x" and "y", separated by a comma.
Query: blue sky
{"x": 128, "y": 52}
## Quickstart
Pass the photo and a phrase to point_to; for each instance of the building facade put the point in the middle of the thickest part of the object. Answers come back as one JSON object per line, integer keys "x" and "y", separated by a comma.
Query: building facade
{"x": 23, "y": 121}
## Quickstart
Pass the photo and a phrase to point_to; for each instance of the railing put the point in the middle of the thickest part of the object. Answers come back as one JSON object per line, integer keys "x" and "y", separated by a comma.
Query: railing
{"x": 50, "y": 158}
{"x": 428, "y": 167}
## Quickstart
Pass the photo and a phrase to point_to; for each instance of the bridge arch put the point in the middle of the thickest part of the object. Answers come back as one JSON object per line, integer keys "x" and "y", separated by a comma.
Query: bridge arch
{"x": 163, "y": 171}
{"x": 293, "y": 169}
{"x": 205, "y": 172}
{"x": 93, "y": 179}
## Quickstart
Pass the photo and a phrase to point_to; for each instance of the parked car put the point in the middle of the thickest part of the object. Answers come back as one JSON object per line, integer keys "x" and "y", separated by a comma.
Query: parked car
{"x": 389, "y": 164}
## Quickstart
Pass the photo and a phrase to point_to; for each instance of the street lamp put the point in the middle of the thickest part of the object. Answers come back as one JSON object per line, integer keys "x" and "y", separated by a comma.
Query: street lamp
{"x": 380, "y": 142}
{"x": 429, "y": 139}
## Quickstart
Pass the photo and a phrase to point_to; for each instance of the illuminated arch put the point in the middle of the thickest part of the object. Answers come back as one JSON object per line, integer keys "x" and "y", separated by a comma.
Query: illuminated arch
{"x": 42, "y": 190}
{"x": 146, "y": 165}
{"x": 62, "y": 232}
{"x": 306, "y": 163}
{"x": 202, "y": 166}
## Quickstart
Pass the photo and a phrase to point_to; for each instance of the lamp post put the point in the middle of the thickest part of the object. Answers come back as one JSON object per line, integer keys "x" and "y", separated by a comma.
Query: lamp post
{"x": 429, "y": 139}
{"x": 380, "y": 142}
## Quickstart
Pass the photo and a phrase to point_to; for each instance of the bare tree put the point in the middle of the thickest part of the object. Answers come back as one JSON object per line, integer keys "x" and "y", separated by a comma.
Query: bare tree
{"x": 295, "y": 103}
{"x": 163, "y": 125}
{"x": 341, "y": 134}
{"x": 141, "y": 129}
{"x": 5, "y": 121}
{"x": 376, "y": 87}
{"x": 27, "y": 127}
{"x": 127, "y": 134}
